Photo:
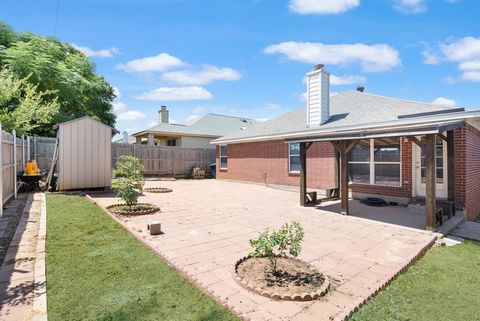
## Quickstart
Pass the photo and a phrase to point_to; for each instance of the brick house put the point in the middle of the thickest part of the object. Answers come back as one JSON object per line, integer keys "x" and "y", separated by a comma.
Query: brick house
{"x": 363, "y": 145}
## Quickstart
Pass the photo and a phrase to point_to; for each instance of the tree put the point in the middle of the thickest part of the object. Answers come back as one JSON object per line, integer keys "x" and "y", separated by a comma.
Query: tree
{"x": 23, "y": 107}
{"x": 274, "y": 244}
{"x": 62, "y": 73}
{"x": 129, "y": 179}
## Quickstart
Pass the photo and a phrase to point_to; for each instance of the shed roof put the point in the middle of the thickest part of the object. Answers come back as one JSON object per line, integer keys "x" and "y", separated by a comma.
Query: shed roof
{"x": 114, "y": 131}
{"x": 349, "y": 109}
{"x": 211, "y": 125}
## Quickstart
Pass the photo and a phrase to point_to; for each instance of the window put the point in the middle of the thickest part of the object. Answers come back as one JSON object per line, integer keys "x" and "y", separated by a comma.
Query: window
{"x": 172, "y": 142}
{"x": 294, "y": 157}
{"x": 376, "y": 162}
{"x": 439, "y": 162}
{"x": 223, "y": 157}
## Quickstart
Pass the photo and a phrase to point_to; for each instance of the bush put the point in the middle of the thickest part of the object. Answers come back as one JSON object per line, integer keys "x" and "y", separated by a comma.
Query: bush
{"x": 129, "y": 183}
{"x": 274, "y": 244}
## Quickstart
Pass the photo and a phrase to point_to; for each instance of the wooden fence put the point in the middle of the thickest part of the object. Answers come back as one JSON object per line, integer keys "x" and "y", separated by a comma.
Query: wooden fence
{"x": 166, "y": 161}
{"x": 41, "y": 149}
{"x": 13, "y": 154}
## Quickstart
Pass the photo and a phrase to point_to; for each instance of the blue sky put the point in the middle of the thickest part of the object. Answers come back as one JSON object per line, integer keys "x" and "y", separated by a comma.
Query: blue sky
{"x": 249, "y": 57}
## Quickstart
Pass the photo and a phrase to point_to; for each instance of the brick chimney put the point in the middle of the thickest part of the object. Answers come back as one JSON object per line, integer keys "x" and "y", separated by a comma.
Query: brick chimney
{"x": 318, "y": 96}
{"x": 163, "y": 112}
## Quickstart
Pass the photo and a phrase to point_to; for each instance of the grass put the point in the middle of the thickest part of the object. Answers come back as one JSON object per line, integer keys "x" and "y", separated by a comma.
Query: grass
{"x": 97, "y": 271}
{"x": 443, "y": 285}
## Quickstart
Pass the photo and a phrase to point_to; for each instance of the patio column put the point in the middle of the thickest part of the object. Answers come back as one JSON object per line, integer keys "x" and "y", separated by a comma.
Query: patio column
{"x": 303, "y": 173}
{"x": 430, "y": 181}
{"x": 151, "y": 142}
{"x": 343, "y": 177}
{"x": 451, "y": 167}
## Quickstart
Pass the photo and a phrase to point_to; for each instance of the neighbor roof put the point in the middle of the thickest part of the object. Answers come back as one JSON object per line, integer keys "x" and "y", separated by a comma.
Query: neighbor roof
{"x": 213, "y": 125}
{"x": 347, "y": 109}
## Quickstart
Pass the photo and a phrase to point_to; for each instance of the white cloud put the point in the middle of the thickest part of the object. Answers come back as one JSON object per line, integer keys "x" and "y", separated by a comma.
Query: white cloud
{"x": 372, "y": 58}
{"x": 322, "y": 6}
{"x": 102, "y": 53}
{"x": 411, "y": 6}
{"x": 176, "y": 94}
{"x": 466, "y": 53}
{"x": 346, "y": 80}
{"x": 471, "y": 76}
{"x": 119, "y": 106}
{"x": 271, "y": 106}
{"x": 117, "y": 92}
{"x": 430, "y": 58}
{"x": 131, "y": 115}
{"x": 159, "y": 63}
{"x": 205, "y": 75}
{"x": 442, "y": 101}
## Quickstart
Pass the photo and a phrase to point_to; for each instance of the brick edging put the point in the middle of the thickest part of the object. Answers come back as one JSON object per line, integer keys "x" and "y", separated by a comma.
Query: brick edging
{"x": 151, "y": 210}
{"x": 158, "y": 190}
{"x": 190, "y": 277}
{"x": 40, "y": 276}
{"x": 299, "y": 297}
{"x": 358, "y": 303}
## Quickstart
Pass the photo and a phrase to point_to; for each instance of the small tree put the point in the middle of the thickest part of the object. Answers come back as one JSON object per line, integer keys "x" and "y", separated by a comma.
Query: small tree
{"x": 129, "y": 179}
{"x": 274, "y": 244}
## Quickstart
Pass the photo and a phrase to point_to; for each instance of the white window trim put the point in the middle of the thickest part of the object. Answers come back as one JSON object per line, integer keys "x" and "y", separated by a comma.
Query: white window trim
{"x": 289, "y": 158}
{"x": 224, "y": 156}
{"x": 372, "y": 163}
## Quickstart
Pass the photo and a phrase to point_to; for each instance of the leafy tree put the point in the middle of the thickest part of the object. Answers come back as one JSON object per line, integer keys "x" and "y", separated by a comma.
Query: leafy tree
{"x": 62, "y": 73}
{"x": 274, "y": 244}
{"x": 129, "y": 179}
{"x": 23, "y": 107}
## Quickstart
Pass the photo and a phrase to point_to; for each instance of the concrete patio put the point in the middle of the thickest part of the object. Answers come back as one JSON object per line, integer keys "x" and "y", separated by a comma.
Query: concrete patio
{"x": 207, "y": 225}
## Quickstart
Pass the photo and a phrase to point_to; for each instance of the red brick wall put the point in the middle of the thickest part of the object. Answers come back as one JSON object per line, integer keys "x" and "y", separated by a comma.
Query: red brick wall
{"x": 268, "y": 162}
{"x": 472, "y": 171}
{"x": 460, "y": 168}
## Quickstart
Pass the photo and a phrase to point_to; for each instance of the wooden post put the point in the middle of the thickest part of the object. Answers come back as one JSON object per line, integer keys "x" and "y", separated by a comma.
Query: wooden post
{"x": 1, "y": 171}
{"x": 23, "y": 152}
{"x": 14, "y": 134}
{"x": 343, "y": 178}
{"x": 430, "y": 181}
{"x": 451, "y": 166}
{"x": 303, "y": 173}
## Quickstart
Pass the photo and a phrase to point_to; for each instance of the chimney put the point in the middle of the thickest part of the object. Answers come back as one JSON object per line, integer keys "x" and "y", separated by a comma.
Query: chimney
{"x": 163, "y": 114}
{"x": 318, "y": 96}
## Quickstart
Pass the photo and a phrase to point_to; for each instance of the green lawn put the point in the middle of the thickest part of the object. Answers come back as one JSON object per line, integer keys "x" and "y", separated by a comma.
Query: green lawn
{"x": 97, "y": 271}
{"x": 443, "y": 286}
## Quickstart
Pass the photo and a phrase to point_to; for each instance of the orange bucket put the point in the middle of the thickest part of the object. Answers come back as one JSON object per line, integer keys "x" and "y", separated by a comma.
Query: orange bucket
{"x": 31, "y": 168}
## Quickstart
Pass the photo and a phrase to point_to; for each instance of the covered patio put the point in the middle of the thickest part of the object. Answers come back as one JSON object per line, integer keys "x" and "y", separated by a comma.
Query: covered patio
{"x": 424, "y": 135}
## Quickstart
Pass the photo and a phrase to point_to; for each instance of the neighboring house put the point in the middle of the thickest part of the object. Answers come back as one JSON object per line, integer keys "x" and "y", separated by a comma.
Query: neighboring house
{"x": 197, "y": 135}
{"x": 372, "y": 145}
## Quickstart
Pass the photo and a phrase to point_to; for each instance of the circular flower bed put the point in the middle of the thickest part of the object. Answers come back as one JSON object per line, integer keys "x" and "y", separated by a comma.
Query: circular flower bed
{"x": 158, "y": 190}
{"x": 295, "y": 280}
{"x": 138, "y": 209}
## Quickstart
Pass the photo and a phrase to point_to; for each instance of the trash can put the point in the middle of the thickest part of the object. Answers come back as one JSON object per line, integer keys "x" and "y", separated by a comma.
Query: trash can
{"x": 213, "y": 167}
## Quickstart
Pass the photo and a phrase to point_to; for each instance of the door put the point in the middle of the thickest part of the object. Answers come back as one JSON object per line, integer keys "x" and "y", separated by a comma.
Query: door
{"x": 441, "y": 169}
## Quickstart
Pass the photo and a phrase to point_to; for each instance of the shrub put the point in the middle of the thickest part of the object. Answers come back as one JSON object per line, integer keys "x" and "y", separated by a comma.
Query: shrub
{"x": 129, "y": 183}
{"x": 274, "y": 244}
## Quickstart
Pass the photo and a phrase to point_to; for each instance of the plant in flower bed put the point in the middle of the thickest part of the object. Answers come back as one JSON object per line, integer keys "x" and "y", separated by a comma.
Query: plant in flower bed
{"x": 273, "y": 268}
{"x": 129, "y": 185}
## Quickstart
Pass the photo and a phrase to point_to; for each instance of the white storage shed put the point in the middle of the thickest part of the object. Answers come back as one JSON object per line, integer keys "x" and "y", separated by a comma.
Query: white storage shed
{"x": 84, "y": 154}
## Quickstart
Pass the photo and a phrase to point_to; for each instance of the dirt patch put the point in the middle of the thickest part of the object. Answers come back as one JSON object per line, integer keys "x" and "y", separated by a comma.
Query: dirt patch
{"x": 292, "y": 277}
{"x": 138, "y": 209}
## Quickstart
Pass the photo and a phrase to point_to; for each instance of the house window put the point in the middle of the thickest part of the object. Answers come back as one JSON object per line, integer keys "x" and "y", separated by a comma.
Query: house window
{"x": 294, "y": 157}
{"x": 223, "y": 157}
{"x": 172, "y": 142}
{"x": 376, "y": 162}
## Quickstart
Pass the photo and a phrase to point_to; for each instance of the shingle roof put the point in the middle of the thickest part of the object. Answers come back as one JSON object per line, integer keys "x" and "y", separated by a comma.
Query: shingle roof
{"x": 346, "y": 109}
{"x": 209, "y": 125}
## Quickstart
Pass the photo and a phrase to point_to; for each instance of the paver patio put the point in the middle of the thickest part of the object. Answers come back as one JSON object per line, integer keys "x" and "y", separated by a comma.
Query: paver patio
{"x": 207, "y": 225}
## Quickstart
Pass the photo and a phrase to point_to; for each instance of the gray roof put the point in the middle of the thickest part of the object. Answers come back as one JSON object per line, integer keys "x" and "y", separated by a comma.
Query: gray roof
{"x": 213, "y": 125}
{"x": 348, "y": 108}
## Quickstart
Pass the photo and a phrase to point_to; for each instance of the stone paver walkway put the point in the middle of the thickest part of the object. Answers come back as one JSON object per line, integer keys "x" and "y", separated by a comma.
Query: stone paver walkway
{"x": 207, "y": 225}
{"x": 22, "y": 275}
{"x": 468, "y": 230}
